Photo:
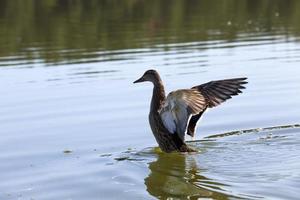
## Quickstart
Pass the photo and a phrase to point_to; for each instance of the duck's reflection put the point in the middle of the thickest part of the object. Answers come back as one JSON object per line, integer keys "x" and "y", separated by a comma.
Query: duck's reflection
{"x": 177, "y": 176}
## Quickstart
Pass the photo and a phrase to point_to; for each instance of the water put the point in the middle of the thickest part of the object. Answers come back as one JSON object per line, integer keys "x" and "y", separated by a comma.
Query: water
{"x": 73, "y": 126}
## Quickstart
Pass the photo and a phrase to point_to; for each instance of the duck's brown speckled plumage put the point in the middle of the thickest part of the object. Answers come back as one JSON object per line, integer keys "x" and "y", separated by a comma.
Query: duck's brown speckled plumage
{"x": 212, "y": 93}
{"x": 167, "y": 142}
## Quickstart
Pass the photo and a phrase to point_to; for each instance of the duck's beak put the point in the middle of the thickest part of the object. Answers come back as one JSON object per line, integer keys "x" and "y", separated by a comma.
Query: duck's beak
{"x": 139, "y": 80}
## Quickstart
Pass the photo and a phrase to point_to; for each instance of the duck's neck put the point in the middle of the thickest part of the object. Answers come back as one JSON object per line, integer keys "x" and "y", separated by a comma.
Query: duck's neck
{"x": 158, "y": 96}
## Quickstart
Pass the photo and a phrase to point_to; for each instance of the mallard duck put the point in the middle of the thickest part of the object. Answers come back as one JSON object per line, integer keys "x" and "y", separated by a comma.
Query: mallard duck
{"x": 176, "y": 115}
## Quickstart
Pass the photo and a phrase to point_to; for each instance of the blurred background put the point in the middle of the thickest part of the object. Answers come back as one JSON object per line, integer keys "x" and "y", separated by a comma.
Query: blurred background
{"x": 54, "y": 31}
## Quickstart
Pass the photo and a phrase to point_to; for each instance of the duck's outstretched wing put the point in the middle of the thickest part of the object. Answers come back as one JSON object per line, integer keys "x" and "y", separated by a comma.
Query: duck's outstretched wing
{"x": 182, "y": 105}
{"x": 216, "y": 92}
{"x": 178, "y": 108}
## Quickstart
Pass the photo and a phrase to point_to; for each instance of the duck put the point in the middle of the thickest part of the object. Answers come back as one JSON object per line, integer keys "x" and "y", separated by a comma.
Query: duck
{"x": 176, "y": 115}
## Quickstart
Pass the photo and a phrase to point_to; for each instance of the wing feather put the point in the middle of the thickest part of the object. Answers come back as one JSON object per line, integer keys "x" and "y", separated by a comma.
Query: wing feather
{"x": 181, "y": 105}
{"x": 216, "y": 92}
{"x": 178, "y": 108}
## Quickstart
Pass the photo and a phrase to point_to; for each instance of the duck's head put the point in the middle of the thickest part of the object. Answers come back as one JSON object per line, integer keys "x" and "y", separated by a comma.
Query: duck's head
{"x": 150, "y": 75}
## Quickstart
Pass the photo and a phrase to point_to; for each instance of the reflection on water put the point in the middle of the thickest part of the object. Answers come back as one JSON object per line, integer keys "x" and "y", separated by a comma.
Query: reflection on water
{"x": 177, "y": 176}
{"x": 243, "y": 165}
{"x": 68, "y": 31}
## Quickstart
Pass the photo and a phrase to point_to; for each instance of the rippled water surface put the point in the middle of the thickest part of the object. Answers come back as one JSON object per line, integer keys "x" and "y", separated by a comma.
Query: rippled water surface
{"x": 73, "y": 126}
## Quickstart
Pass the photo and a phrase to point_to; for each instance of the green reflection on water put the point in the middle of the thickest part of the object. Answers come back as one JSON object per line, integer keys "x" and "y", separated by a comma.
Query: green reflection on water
{"x": 41, "y": 29}
{"x": 177, "y": 176}
{"x": 181, "y": 176}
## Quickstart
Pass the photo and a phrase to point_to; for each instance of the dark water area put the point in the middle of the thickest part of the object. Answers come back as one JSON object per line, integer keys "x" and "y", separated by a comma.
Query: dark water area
{"x": 73, "y": 126}
{"x": 55, "y": 31}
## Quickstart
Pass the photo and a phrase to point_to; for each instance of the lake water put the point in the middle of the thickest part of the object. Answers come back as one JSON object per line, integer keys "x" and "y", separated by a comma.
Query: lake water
{"x": 73, "y": 126}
